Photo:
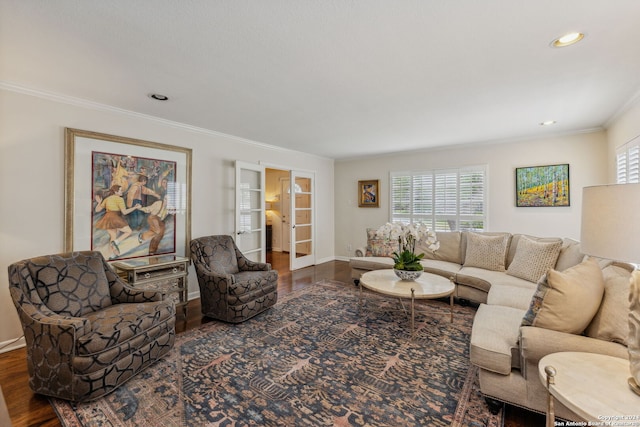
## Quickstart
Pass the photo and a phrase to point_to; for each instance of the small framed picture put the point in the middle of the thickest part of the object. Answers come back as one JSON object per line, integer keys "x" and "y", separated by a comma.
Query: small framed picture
{"x": 542, "y": 186}
{"x": 369, "y": 194}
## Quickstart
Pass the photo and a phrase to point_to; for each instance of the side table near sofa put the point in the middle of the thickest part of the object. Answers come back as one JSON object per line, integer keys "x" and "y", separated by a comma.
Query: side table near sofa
{"x": 592, "y": 385}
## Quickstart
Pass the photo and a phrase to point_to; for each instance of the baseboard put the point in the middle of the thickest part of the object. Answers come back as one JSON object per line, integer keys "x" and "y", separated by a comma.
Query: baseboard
{"x": 11, "y": 345}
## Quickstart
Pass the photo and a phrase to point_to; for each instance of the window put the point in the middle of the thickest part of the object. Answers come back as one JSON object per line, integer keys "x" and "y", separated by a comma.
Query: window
{"x": 444, "y": 200}
{"x": 628, "y": 162}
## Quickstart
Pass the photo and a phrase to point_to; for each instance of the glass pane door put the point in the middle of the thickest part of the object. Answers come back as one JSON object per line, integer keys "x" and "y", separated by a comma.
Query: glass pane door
{"x": 250, "y": 214}
{"x": 302, "y": 220}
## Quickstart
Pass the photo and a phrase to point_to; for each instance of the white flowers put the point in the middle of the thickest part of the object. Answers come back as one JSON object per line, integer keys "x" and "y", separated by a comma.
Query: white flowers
{"x": 408, "y": 235}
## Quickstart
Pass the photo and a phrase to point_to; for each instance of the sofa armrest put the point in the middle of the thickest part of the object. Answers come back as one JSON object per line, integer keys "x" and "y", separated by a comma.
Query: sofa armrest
{"x": 360, "y": 252}
{"x": 535, "y": 343}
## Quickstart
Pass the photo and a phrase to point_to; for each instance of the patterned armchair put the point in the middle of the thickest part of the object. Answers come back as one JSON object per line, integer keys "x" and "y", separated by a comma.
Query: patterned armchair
{"x": 232, "y": 287}
{"x": 87, "y": 332}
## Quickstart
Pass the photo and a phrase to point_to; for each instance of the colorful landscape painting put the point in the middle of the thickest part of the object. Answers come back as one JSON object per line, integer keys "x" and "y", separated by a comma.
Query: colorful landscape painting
{"x": 539, "y": 186}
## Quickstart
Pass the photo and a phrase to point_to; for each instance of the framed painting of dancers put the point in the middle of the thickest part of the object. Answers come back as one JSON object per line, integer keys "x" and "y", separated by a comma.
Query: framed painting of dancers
{"x": 126, "y": 198}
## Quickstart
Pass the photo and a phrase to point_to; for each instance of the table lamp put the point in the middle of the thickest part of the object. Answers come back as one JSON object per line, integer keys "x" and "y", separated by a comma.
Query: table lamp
{"x": 611, "y": 229}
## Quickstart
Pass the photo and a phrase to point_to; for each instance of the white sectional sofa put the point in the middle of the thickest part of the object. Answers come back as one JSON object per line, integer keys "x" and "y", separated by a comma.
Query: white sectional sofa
{"x": 535, "y": 296}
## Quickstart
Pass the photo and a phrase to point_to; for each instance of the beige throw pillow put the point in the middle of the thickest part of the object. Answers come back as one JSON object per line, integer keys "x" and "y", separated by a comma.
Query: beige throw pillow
{"x": 611, "y": 322}
{"x": 449, "y": 247}
{"x": 487, "y": 251}
{"x": 533, "y": 258}
{"x": 567, "y": 301}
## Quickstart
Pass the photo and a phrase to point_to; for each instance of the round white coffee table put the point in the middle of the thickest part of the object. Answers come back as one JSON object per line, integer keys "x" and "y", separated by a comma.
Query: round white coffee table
{"x": 427, "y": 286}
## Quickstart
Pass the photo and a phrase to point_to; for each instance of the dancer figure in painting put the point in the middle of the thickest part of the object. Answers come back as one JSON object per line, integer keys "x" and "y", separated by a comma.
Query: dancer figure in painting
{"x": 157, "y": 213}
{"x": 113, "y": 220}
{"x": 135, "y": 197}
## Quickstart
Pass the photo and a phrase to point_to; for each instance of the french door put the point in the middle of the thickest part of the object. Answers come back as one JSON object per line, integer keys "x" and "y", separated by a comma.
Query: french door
{"x": 250, "y": 227}
{"x": 298, "y": 214}
{"x": 302, "y": 220}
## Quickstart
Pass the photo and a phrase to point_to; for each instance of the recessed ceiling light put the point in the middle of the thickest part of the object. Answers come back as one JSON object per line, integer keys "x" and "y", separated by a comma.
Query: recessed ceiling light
{"x": 567, "y": 40}
{"x": 159, "y": 97}
{"x": 548, "y": 123}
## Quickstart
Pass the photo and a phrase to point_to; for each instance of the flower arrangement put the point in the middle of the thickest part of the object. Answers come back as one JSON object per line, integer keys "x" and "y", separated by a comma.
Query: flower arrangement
{"x": 408, "y": 235}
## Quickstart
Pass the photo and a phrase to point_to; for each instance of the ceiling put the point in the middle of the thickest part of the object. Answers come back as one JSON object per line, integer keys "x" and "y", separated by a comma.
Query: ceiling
{"x": 336, "y": 78}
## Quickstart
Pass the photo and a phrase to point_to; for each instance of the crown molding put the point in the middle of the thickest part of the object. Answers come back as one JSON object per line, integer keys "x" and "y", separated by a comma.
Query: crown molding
{"x": 91, "y": 105}
{"x": 633, "y": 100}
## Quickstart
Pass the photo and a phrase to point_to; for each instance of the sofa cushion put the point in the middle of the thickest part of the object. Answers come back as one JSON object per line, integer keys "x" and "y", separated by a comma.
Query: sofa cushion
{"x": 482, "y": 279}
{"x": 534, "y": 257}
{"x": 371, "y": 263}
{"x": 487, "y": 251}
{"x": 511, "y": 295}
{"x": 567, "y": 301}
{"x": 611, "y": 322}
{"x": 449, "y": 250}
{"x": 379, "y": 246}
{"x": 117, "y": 324}
{"x": 441, "y": 268}
{"x": 494, "y": 338}
{"x": 570, "y": 255}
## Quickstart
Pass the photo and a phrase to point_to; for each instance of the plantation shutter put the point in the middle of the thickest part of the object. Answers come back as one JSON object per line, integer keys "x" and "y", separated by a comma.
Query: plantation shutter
{"x": 423, "y": 199}
{"x": 401, "y": 198}
{"x": 633, "y": 172}
{"x": 628, "y": 162}
{"x": 444, "y": 200}
{"x": 472, "y": 200}
{"x": 621, "y": 167}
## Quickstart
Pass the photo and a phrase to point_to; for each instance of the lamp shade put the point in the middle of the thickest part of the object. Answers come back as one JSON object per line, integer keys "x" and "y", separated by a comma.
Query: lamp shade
{"x": 611, "y": 222}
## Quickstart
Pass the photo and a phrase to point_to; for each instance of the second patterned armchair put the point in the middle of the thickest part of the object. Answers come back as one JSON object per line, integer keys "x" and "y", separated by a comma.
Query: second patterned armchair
{"x": 232, "y": 287}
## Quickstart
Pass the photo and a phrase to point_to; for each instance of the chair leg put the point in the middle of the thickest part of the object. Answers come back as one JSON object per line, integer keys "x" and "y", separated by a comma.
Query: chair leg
{"x": 494, "y": 405}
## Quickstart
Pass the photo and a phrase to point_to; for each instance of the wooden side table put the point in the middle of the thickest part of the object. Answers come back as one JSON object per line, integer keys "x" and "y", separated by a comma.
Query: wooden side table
{"x": 594, "y": 386}
{"x": 165, "y": 273}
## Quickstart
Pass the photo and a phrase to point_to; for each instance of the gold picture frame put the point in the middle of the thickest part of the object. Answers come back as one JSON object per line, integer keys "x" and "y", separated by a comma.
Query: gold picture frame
{"x": 149, "y": 179}
{"x": 369, "y": 193}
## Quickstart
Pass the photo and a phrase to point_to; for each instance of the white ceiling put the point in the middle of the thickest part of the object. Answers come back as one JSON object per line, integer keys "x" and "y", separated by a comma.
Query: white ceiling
{"x": 337, "y": 78}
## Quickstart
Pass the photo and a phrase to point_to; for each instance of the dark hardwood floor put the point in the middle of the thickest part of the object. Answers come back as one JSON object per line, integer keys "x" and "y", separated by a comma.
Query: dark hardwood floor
{"x": 27, "y": 409}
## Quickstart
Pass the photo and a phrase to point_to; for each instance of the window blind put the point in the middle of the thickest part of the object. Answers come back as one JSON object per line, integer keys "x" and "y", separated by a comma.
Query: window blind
{"x": 444, "y": 200}
{"x": 628, "y": 162}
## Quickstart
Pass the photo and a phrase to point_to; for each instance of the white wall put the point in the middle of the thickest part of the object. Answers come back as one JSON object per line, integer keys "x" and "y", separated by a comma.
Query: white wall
{"x": 32, "y": 179}
{"x": 585, "y": 153}
{"x": 624, "y": 129}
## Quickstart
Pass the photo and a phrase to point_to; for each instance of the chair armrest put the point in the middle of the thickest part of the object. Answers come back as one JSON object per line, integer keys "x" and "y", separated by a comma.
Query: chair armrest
{"x": 122, "y": 293}
{"x": 209, "y": 280}
{"x": 256, "y": 266}
{"x": 51, "y": 346}
{"x": 245, "y": 264}
{"x": 41, "y": 317}
{"x": 38, "y": 321}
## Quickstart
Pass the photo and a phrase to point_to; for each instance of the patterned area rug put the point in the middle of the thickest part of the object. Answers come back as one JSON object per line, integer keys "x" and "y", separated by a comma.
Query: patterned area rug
{"x": 313, "y": 359}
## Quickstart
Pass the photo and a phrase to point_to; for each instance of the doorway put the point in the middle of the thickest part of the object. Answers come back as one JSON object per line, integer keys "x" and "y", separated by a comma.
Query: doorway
{"x": 290, "y": 215}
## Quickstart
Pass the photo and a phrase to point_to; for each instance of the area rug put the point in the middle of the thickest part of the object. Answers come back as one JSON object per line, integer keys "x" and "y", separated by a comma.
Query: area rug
{"x": 314, "y": 359}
